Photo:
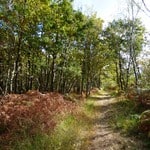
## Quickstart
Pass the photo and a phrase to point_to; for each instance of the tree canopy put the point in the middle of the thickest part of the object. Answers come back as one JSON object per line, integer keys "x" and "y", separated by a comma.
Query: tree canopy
{"x": 49, "y": 46}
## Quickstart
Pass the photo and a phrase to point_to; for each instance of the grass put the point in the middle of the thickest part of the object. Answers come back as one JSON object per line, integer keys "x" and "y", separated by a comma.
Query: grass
{"x": 69, "y": 133}
{"x": 65, "y": 137}
{"x": 89, "y": 107}
{"x": 126, "y": 119}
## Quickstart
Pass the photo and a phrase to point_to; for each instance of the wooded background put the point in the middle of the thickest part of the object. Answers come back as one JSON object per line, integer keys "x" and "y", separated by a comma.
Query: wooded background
{"x": 48, "y": 46}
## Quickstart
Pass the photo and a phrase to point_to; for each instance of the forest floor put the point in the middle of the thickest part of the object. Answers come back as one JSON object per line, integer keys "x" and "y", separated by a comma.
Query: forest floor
{"x": 67, "y": 124}
{"x": 104, "y": 136}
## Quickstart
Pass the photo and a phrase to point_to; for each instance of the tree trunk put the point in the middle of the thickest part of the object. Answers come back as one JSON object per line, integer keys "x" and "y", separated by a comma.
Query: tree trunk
{"x": 12, "y": 78}
{"x": 6, "y": 86}
{"x": 52, "y": 73}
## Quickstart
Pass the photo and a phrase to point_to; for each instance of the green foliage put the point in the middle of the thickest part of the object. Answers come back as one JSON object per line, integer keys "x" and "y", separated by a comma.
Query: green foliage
{"x": 66, "y": 136}
{"x": 129, "y": 120}
{"x": 145, "y": 78}
{"x": 49, "y": 46}
{"x": 125, "y": 39}
{"x": 46, "y": 45}
{"x": 89, "y": 106}
{"x": 67, "y": 133}
{"x": 126, "y": 118}
{"x": 39, "y": 142}
{"x": 128, "y": 124}
{"x": 145, "y": 122}
{"x": 59, "y": 124}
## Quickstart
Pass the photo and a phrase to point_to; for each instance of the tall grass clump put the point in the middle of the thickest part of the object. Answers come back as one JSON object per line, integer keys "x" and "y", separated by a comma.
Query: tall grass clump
{"x": 69, "y": 133}
{"x": 66, "y": 136}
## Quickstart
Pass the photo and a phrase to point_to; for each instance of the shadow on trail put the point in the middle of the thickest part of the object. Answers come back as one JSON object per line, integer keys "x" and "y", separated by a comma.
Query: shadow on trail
{"x": 101, "y": 135}
{"x": 105, "y": 114}
{"x": 100, "y": 98}
{"x": 102, "y": 109}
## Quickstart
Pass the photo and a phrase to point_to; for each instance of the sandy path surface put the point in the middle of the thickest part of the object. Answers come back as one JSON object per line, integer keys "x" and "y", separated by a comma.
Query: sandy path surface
{"x": 104, "y": 137}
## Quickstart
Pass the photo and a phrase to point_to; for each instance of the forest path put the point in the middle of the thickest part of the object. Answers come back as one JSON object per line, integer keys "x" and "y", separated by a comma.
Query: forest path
{"x": 104, "y": 137}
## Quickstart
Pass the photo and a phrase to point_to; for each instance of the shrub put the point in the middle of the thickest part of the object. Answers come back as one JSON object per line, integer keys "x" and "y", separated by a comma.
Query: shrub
{"x": 126, "y": 119}
{"x": 31, "y": 113}
{"x": 64, "y": 137}
{"x": 145, "y": 122}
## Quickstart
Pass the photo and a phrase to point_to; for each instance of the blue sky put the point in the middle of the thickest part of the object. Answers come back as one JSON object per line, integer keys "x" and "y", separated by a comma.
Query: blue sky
{"x": 109, "y": 9}
{"x": 104, "y": 8}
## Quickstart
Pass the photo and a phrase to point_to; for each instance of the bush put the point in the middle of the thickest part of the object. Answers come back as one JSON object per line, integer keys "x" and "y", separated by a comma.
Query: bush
{"x": 126, "y": 119}
{"x": 145, "y": 122}
{"x": 36, "y": 121}
{"x": 64, "y": 137}
{"x": 31, "y": 113}
{"x": 144, "y": 98}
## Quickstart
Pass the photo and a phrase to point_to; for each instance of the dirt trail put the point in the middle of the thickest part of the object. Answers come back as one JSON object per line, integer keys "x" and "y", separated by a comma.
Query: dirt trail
{"x": 104, "y": 136}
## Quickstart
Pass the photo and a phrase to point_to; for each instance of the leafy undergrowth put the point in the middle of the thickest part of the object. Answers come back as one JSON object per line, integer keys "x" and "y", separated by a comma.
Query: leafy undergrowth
{"x": 42, "y": 122}
{"x": 142, "y": 101}
{"x": 142, "y": 96}
{"x": 127, "y": 118}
